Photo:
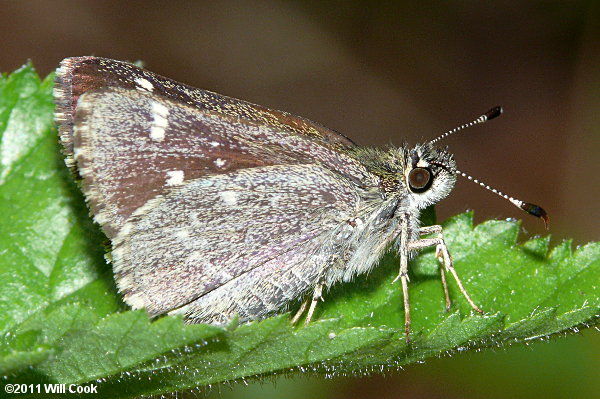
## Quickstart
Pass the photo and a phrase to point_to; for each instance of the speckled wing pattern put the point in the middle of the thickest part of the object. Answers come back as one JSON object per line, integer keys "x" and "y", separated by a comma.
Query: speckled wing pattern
{"x": 224, "y": 238}
{"x": 214, "y": 206}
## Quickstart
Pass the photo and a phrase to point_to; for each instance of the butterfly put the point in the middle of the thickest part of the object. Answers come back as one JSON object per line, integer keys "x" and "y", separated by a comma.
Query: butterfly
{"x": 218, "y": 208}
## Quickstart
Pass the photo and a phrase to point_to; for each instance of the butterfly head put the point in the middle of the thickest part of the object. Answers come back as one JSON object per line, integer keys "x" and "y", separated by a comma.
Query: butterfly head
{"x": 428, "y": 174}
{"x": 431, "y": 172}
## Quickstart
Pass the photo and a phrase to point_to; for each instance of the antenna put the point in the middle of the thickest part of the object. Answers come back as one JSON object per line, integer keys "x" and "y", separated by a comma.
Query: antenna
{"x": 491, "y": 114}
{"x": 528, "y": 207}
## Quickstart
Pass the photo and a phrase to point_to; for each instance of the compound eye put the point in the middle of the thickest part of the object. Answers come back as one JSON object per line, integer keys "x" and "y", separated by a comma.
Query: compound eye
{"x": 419, "y": 179}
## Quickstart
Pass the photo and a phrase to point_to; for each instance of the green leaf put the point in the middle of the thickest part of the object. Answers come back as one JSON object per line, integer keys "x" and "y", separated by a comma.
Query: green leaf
{"x": 62, "y": 321}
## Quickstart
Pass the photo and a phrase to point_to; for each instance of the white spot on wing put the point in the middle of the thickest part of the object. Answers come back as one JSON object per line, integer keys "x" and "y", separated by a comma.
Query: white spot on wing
{"x": 220, "y": 162}
{"x": 229, "y": 197}
{"x": 174, "y": 177}
{"x": 196, "y": 256}
{"x": 144, "y": 84}
{"x": 160, "y": 109}
{"x": 214, "y": 143}
{"x": 157, "y": 133}
{"x": 184, "y": 233}
{"x": 159, "y": 122}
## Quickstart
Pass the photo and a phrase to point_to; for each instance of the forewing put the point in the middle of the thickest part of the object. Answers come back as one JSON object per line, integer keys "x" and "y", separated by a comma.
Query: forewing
{"x": 230, "y": 233}
{"x": 79, "y": 75}
{"x": 131, "y": 146}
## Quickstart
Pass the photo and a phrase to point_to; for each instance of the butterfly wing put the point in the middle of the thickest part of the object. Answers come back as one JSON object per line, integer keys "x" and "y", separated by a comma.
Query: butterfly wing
{"x": 253, "y": 191}
{"x": 160, "y": 128}
{"x": 250, "y": 239}
{"x": 79, "y": 75}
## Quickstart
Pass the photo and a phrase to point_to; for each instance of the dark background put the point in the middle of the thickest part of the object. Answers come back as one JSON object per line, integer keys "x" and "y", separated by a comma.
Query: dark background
{"x": 388, "y": 72}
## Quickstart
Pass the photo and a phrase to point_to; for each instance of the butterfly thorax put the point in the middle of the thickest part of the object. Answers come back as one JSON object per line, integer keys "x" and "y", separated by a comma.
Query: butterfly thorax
{"x": 410, "y": 179}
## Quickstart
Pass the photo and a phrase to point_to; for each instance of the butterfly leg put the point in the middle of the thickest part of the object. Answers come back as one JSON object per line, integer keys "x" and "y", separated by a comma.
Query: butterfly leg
{"x": 445, "y": 259}
{"x": 299, "y": 312}
{"x": 317, "y": 296}
{"x": 438, "y": 253}
{"x": 403, "y": 274}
